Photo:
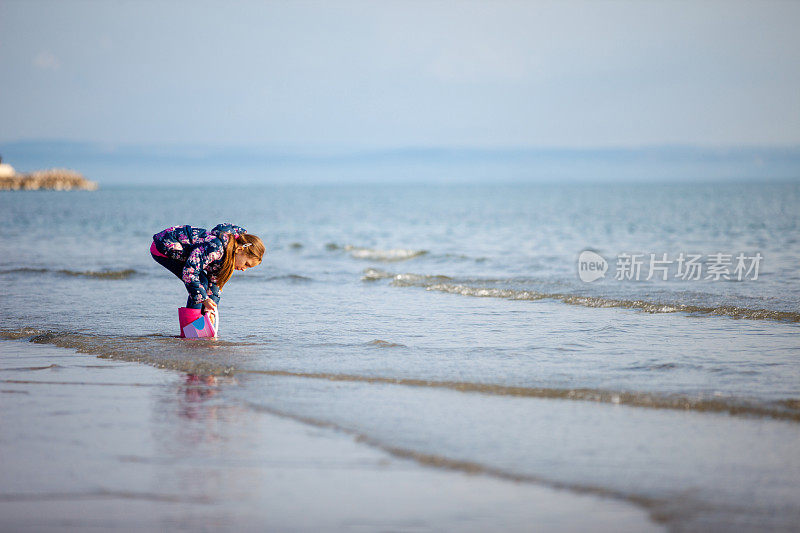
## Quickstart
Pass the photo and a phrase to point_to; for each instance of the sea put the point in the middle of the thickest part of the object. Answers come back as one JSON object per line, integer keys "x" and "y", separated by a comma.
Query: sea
{"x": 634, "y": 341}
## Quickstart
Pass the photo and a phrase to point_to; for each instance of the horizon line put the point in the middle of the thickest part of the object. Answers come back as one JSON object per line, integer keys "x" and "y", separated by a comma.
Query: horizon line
{"x": 365, "y": 148}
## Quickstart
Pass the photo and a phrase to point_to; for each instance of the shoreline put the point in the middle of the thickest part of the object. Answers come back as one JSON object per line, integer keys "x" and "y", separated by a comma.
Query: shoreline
{"x": 92, "y": 442}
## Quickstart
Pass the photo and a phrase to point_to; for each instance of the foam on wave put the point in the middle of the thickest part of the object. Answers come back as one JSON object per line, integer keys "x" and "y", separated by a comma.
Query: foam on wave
{"x": 477, "y": 288}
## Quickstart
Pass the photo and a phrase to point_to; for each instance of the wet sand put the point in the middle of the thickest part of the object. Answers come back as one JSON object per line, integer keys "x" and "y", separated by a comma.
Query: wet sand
{"x": 91, "y": 443}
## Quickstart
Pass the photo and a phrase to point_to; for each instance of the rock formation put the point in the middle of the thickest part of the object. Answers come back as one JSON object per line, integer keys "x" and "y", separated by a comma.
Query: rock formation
{"x": 59, "y": 179}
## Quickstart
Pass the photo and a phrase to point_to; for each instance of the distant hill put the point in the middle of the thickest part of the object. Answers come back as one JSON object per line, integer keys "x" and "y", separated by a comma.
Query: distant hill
{"x": 179, "y": 164}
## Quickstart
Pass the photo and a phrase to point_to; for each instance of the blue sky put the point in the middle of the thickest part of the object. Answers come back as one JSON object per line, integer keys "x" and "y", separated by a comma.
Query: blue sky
{"x": 393, "y": 74}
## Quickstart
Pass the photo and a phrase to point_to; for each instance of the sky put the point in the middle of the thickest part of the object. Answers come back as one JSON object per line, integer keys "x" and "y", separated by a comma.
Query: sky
{"x": 393, "y": 74}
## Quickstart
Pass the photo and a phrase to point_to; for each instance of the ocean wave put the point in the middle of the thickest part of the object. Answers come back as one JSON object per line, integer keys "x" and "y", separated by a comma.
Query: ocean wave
{"x": 394, "y": 254}
{"x": 659, "y": 510}
{"x": 375, "y": 274}
{"x": 785, "y": 409}
{"x": 104, "y": 274}
{"x": 464, "y": 257}
{"x": 98, "y": 274}
{"x": 405, "y": 280}
{"x": 25, "y": 270}
{"x": 188, "y": 356}
{"x": 730, "y": 311}
{"x": 374, "y": 254}
{"x": 385, "y": 344}
{"x": 476, "y": 288}
{"x": 194, "y": 356}
{"x": 261, "y": 277}
{"x": 292, "y": 278}
{"x": 399, "y": 254}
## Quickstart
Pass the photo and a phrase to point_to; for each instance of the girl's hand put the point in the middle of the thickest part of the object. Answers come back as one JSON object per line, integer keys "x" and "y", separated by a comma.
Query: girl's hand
{"x": 210, "y": 307}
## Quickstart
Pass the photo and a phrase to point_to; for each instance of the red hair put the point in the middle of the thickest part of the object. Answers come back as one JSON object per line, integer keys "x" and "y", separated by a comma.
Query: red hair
{"x": 250, "y": 245}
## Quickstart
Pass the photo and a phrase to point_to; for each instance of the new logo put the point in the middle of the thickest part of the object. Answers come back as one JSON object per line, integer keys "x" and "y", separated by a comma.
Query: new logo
{"x": 591, "y": 266}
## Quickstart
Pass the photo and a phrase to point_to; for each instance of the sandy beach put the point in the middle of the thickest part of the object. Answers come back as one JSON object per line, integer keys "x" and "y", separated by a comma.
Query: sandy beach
{"x": 407, "y": 359}
{"x": 479, "y": 266}
{"x": 94, "y": 444}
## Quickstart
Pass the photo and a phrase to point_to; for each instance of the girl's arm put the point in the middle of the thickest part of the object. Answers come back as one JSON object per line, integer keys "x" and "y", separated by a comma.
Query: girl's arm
{"x": 201, "y": 256}
{"x": 213, "y": 291}
{"x": 228, "y": 228}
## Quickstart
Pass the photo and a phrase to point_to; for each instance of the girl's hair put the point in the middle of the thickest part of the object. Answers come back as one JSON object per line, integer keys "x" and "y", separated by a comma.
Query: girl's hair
{"x": 253, "y": 248}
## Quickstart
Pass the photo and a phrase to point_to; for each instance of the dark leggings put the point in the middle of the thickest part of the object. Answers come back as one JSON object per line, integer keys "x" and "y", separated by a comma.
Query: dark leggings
{"x": 176, "y": 267}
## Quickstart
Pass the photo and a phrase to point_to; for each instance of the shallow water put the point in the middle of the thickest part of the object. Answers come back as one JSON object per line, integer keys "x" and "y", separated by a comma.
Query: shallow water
{"x": 99, "y": 444}
{"x": 449, "y": 324}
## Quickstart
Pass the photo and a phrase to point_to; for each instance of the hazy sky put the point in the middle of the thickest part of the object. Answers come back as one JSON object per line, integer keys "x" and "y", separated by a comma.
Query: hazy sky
{"x": 378, "y": 74}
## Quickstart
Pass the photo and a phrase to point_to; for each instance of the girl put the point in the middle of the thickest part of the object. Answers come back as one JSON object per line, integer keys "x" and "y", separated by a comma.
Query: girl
{"x": 204, "y": 260}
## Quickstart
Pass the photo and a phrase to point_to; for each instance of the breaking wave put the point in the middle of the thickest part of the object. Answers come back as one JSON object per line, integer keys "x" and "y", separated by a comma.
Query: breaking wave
{"x": 197, "y": 356}
{"x": 292, "y": 278}
{"x": 373, "y": 254}
{"x": 105, "y": 274}
{"x": 730, "y": 311}
{"x": 98, "y": 274}
{"x": 786, "y": 409}
{"x": 380, "y": 343}
{"x": 216, "y": 357}
{"x": 476, "y": 288}
{"x": 394, "y": 254}
{"x": 375, "y": 274}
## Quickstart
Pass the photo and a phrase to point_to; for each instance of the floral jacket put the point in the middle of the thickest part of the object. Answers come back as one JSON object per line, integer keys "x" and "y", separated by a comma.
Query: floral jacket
{"x": 202, "y": 251}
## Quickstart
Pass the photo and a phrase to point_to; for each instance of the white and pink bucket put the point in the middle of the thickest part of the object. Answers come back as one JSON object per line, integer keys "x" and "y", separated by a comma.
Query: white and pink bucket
{"x": 194, "y": 324}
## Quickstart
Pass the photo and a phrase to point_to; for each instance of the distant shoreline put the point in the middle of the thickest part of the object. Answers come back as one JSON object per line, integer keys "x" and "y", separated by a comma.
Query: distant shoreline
{"x": 194, "y": 164}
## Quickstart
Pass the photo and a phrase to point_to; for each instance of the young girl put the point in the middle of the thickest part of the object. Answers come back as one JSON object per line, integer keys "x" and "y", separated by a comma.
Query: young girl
{"x": 204, "y": 260}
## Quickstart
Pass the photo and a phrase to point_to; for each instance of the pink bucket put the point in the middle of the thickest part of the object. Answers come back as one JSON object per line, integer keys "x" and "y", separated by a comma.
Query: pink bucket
{"x": 195, "y": 324}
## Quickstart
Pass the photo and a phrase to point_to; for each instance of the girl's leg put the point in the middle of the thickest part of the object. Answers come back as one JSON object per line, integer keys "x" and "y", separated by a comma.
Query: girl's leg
{"x": 174, "y": 266}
